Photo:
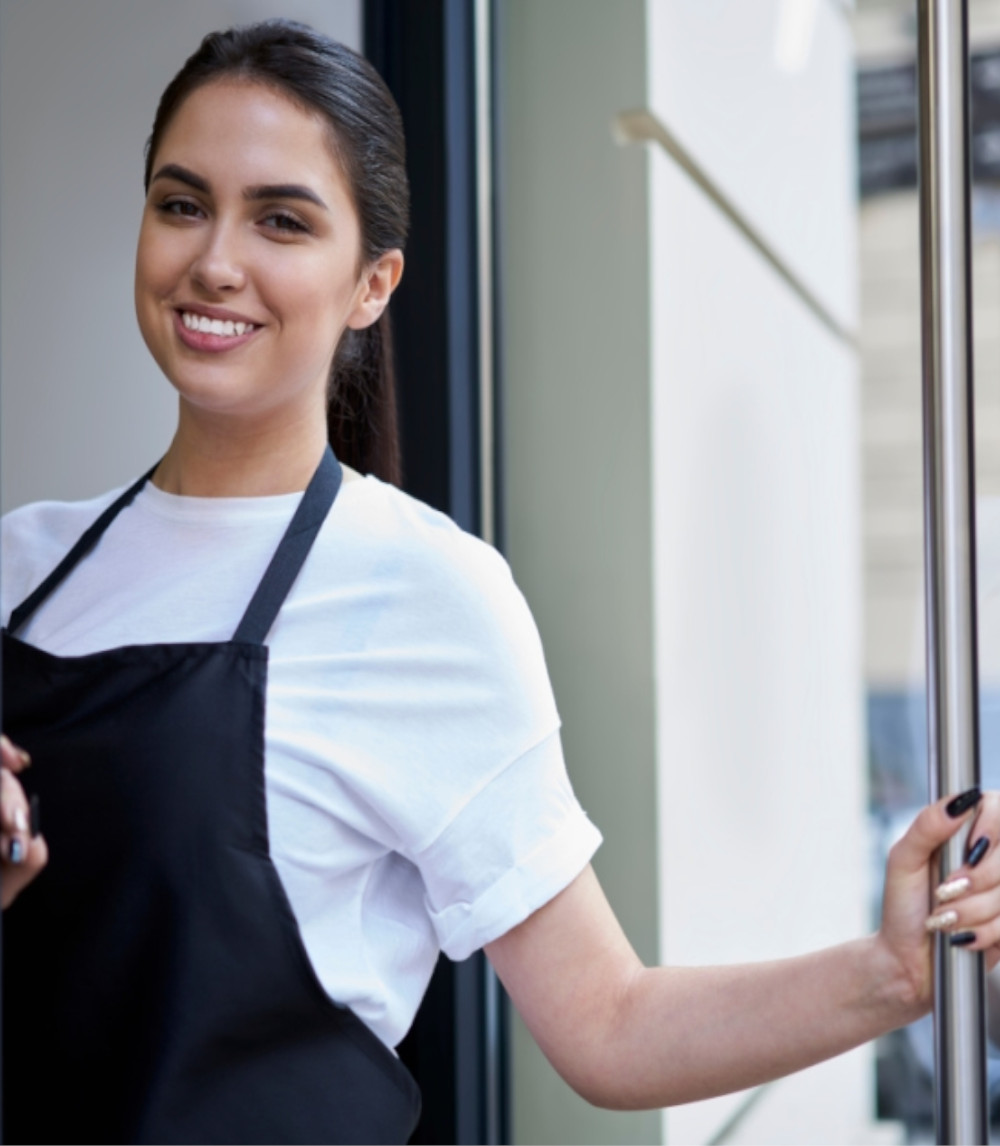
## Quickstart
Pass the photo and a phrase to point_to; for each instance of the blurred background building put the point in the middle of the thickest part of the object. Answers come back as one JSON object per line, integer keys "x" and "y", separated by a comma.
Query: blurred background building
{"x": 659, "y": 339}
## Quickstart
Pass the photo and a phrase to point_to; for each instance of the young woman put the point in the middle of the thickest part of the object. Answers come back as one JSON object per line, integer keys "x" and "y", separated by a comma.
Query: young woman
{"x": 291, "y": 730}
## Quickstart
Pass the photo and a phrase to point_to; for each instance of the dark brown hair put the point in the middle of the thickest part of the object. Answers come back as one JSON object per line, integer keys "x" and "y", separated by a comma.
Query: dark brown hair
{"x": 367, "y": 136}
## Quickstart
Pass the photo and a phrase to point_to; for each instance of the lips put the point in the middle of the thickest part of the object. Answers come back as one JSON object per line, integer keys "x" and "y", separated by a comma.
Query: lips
{"x": 213, "y": 332}
{"x": 208, "y": 325}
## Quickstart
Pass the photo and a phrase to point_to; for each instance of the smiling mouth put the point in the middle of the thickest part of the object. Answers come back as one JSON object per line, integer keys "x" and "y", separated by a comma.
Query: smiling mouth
{"x": 222, "y": 327}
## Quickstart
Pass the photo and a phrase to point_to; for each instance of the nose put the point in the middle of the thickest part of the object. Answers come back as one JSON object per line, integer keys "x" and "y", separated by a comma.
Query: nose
{"x": 218, "y": 265}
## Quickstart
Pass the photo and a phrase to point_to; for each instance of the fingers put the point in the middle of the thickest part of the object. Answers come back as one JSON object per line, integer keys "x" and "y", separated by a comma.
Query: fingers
{"x": 938, "y": 822}
{"x": 967, "y": 905}
{"x": 14, "y": 878}
{"x": 13, "y": 757}
{"x": 972, "y": 922}
{"x": 15, "y": 821}
{"x": 23, "y": 852}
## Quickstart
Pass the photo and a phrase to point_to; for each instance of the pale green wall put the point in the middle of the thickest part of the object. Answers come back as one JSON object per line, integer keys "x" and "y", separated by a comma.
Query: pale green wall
{"x": 577, "y": 454}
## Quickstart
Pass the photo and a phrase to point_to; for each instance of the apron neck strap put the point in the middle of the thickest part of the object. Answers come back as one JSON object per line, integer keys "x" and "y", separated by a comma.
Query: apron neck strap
{"x": 291, "y": 552}
{"x": 80, "y": 550}
{"x": 277, "y": 580}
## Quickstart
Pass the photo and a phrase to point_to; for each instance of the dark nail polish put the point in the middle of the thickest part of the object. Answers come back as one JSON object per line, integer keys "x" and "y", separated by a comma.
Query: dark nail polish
{"x": 962, "y": 938}
{"x": 35, "y": 820}
{"x": 16, "y": 852}
{"x": 977, "y": 851}
{"x": 963, "y": 803}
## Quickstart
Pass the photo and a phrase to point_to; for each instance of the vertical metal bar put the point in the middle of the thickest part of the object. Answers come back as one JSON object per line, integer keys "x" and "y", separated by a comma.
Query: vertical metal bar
{"x": 460, "y": 257}
{"x": 952, "y": 678}
{"x": 482, "y": 29}
{"x": 483, "y": 19}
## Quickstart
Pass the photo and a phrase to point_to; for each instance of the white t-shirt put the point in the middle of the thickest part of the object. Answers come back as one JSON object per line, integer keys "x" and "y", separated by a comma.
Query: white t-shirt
{"x": 416, "y": 792}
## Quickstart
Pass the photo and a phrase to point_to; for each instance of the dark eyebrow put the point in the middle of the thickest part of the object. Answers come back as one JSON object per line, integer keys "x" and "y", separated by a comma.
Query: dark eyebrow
{"x": 263, "y": 191}
{"x": 284, "y": 191}
{"x": 182, "y": 175}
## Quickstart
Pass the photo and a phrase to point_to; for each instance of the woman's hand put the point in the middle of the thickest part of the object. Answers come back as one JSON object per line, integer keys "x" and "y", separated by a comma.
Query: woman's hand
{"x": 966, "y": 907}
{"x": 22, "y": 855}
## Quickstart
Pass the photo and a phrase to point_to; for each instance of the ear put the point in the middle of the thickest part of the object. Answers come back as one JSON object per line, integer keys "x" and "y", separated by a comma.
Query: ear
{"x": 378, "y": 281}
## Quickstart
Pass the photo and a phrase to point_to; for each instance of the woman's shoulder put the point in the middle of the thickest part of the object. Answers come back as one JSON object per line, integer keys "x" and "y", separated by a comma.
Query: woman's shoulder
{"x": 35, "y": 537}
{"x": 428, "y": 579}
{"x": 46, "y": 523}
{"x": 400, "y": 530}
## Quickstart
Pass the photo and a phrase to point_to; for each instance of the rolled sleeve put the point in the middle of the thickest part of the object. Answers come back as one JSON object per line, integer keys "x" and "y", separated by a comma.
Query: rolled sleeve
{"x": 519, "y": 842}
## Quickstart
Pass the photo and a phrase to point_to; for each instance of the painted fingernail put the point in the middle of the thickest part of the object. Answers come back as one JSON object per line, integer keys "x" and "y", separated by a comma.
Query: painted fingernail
{"x": 977, "y": 851}
{"x": 963, "y": 803}
{"x": 20, "y": 819}
{"x": 35, "y": 815}
{"x": 942, "y": 922}
{"x": 16, "y": 851}
{"x": 962, "y": 938}
{"x": 952, "y": 889}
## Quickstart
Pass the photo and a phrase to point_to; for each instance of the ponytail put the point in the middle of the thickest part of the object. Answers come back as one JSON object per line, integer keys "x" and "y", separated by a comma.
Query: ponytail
{"x": 361, "y": 410}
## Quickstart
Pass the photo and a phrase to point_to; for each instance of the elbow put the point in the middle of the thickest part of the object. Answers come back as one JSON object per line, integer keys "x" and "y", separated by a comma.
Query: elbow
{"x": 593, "y": 1089}
{"x": 603, "y": 1082}
{"x": 606, "y": 1098}
{"x": 607, "y": 1093}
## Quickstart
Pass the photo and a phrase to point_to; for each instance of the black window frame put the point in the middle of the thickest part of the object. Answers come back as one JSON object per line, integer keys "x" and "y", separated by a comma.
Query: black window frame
{"x": 458, "y": 1048}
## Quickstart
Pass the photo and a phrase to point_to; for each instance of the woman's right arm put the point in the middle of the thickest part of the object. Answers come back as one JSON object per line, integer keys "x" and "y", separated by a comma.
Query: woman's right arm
{"x": 22, "y": 856}
{"x": 630, "y": 1037}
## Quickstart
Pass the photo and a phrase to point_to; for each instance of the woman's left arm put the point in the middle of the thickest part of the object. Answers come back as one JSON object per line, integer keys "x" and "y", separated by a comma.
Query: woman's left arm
{"x": 630, "y": 1037}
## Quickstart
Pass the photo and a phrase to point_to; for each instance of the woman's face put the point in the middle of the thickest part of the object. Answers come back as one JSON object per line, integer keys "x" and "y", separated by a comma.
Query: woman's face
{"x": 249, "y": 261}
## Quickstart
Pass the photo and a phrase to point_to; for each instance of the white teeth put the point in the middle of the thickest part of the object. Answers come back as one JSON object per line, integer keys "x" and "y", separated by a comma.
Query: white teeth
{"x": 224, "y": 327}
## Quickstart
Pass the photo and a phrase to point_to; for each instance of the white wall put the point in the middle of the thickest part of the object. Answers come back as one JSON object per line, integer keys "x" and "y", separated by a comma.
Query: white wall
{"x": 758, "y": 624}
{"x": 760, "y": 91}
{"x": 83, "y": 405}
{"x": 756, "y": 520}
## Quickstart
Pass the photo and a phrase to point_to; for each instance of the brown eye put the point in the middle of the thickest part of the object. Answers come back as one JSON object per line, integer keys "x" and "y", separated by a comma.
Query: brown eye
{"x": 283, "y": 222}
{"x": 180, "y": 208}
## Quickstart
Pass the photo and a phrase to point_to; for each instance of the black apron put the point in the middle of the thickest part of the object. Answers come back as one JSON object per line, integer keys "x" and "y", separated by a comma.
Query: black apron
{"x": 156, "y": 988}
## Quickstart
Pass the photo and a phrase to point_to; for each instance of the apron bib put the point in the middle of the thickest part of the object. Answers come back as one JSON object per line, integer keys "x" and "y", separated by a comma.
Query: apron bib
{"x": 156, "y": 987}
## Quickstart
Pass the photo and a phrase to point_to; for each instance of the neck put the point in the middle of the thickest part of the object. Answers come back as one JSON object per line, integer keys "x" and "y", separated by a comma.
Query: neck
{"x": 211, "y": 457}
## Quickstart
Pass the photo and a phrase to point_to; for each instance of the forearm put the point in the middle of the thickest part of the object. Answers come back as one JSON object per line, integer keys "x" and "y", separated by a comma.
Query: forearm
{"x": 679, "y": 1034}
{"x": 627, "y": 1036}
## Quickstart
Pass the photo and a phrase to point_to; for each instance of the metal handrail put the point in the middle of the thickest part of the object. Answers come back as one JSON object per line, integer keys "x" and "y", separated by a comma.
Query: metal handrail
{"x": 950, "y": 551}
{"x": 638, "y": 125}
